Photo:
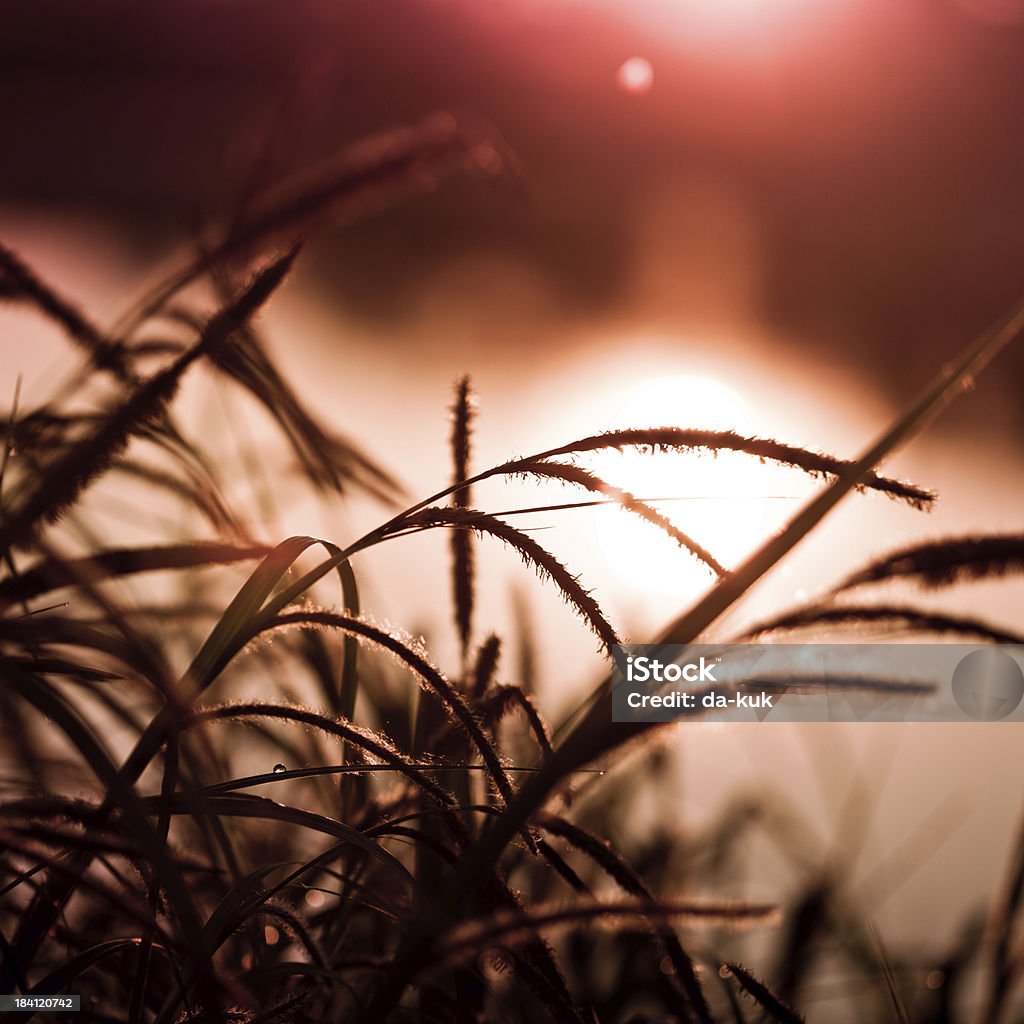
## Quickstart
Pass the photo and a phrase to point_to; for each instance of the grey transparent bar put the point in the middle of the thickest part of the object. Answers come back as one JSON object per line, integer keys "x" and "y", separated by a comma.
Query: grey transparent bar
{"x": 41, "y": 1004}
{"x": 818, "y": 683}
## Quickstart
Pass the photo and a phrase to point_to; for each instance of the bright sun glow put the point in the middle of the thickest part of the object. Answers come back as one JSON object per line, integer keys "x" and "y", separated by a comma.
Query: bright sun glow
{"x": 697, "y": 24}
{"x": 727, "y": 503}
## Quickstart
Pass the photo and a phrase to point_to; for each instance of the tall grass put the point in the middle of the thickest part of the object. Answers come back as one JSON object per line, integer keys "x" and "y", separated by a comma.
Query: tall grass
{"x": 399, "y": 861}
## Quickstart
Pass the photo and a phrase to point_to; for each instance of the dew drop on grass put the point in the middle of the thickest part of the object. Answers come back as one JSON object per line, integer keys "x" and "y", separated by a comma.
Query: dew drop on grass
{"x": 278, "y": 768}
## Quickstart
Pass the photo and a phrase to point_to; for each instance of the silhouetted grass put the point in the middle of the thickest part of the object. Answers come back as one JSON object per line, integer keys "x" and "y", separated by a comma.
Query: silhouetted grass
{"x": 399, "y": 863}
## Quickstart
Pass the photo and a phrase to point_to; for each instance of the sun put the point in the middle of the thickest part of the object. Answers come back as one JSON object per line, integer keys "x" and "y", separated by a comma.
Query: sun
{"x": 729, "y": 30}
{"x": 728, "y": 503}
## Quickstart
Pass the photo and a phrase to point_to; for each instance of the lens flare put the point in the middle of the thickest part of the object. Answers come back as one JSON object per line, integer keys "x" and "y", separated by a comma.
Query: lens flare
{"x": 636, "y": 76}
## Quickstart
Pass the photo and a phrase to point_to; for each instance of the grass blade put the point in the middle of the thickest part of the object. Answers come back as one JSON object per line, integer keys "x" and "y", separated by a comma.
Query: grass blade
{"x": 56, "y": 573}
{"x": 64, "y": 481}
{"x": 763, "y": 996}
{"x": 941, "y": 563}
{"x": 889, "y": 617}
{"x": 462, "y": 540}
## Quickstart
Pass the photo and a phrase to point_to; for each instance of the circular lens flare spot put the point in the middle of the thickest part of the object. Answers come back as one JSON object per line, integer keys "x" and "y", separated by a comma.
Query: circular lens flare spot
{"x": 635, "y": 76}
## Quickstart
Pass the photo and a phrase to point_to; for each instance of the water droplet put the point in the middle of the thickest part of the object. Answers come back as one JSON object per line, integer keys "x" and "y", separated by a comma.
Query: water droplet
{"x": 967, "y": 383}
{"x": 724, "y": 971}
{"x": 278, "y": 768}
{"x": 935, "y": 979}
